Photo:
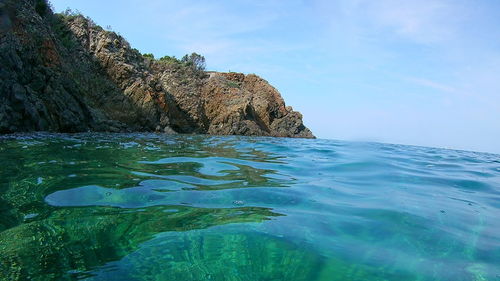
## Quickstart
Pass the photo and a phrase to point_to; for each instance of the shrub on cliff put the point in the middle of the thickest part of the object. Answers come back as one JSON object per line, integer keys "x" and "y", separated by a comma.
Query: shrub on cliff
{"x": 196, "y": 61}
{"x": 149, "y": 56}
{"x": 42, "y": 7}
{"x": 169, "y": 60}
{"x": 69, "y": 14}
{"x": 61, "y": 30}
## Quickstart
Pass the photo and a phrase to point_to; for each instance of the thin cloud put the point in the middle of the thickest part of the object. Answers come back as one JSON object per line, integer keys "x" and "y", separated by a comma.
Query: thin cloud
{"x": 431, "y": 84}
{"x": 423, "y": 21}
{"x": 420, "y": 21}
{"x": 227, "y": 33}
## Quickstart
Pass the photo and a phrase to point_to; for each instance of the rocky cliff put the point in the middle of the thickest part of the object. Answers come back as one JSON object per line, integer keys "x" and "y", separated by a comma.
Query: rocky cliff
{"x": 62, "y": 72}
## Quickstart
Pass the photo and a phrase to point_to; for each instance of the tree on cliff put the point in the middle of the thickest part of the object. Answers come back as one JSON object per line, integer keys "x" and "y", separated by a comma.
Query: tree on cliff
{"x": 195, "y": 60}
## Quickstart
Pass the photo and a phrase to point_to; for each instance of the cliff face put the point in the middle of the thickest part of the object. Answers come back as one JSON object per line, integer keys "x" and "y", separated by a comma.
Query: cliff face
{"x": 64, "y": 73}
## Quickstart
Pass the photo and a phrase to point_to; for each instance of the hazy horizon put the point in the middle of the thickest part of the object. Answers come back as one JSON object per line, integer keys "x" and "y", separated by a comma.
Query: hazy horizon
{"x": 419, "y": 73}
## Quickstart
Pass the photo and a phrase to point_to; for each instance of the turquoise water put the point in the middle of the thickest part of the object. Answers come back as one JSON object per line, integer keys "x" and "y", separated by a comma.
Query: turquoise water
{"x": 157, "y": 207}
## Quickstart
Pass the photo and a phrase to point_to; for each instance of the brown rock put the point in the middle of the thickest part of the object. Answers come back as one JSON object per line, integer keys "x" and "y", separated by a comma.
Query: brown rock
{"x": 86, "y": 78}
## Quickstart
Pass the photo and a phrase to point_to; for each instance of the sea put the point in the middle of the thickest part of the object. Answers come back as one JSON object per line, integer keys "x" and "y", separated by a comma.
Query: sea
{"x": 145, "y": 206}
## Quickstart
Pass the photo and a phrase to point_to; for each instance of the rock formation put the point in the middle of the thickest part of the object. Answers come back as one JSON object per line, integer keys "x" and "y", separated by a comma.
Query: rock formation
{"x": 64, "y": 73}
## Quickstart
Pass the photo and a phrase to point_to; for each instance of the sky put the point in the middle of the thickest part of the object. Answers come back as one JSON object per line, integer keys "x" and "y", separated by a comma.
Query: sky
{"x": 420, "y": 72}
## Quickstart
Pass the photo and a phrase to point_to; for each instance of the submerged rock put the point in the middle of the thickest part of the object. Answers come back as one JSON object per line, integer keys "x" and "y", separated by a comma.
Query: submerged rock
{"x": 62, "y": 72}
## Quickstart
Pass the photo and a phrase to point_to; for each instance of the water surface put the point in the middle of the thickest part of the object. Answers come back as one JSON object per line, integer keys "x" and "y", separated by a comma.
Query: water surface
{"x": 158, "y": 207}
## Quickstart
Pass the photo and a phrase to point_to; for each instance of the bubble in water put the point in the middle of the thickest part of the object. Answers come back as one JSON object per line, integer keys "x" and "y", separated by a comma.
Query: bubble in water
{"x": 30, "y": 216}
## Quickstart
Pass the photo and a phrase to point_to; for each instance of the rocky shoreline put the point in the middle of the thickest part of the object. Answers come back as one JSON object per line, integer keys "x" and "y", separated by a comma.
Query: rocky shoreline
{"x": 64, "y": 73}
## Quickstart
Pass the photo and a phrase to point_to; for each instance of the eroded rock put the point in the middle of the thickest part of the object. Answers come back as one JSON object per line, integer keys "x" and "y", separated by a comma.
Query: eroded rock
{"x": 65, "y": 73}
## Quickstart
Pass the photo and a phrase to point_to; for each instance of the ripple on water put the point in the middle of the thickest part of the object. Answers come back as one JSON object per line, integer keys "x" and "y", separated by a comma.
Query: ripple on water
{"x": 157, "y": 207}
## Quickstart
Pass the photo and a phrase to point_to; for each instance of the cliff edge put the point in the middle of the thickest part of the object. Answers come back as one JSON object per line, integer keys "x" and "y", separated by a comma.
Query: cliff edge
{"x": 64, "y": 73}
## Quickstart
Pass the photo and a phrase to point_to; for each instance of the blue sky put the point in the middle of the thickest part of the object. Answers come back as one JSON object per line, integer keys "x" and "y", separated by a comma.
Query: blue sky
{"x": 422, "y": 72}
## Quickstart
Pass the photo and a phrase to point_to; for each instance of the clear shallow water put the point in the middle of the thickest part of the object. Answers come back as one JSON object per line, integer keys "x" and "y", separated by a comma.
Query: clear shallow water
{"x": 155, "y": 207}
